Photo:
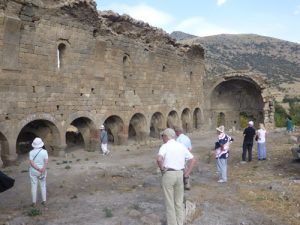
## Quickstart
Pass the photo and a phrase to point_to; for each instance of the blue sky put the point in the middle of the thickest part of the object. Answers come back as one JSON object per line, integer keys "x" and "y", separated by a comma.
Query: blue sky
{"x": 274, "y": 18}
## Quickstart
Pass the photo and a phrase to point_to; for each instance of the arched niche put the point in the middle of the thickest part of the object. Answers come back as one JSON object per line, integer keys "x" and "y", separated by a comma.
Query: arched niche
{"x": 38, "y": 128}
{"x": 137, "y": 129}
{"x": 115, "y": 129}
{"x": 157, "y": 124}
{"x": 82, "y": 133}
{"x": 173, "y": 120}
{"x": 186, "y": 120}
{"x": 197, "y": 118}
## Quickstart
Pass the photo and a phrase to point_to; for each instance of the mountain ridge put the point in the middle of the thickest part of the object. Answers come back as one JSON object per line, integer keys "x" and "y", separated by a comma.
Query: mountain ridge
{"x": 276, "y": 60}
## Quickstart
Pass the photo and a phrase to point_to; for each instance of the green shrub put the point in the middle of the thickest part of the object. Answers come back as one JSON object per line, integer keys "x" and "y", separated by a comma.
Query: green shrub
{"x": 295, "y": 113}
{"x": 67, "y": 167}
{"x": 34, "y": 212}
{"x": 280, "y": 116}
{"x": 108, "y": 212}
{"x": 245, "y": 118}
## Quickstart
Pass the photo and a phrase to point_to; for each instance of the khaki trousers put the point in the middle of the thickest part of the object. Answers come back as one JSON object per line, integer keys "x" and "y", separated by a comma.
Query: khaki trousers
{"x": 172, "y": 185}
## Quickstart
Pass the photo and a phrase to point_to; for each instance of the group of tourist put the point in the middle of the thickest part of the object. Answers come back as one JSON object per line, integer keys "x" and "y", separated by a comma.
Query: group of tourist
{"x": 174, "y": 160}
{"x": 176, "y": 150}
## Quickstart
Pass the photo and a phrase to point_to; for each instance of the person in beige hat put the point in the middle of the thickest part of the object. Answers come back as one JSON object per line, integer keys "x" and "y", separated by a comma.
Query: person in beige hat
{"x": 171, "y": 160}
{"x": 38, "y": 158}
{"x": 222, "y": 152}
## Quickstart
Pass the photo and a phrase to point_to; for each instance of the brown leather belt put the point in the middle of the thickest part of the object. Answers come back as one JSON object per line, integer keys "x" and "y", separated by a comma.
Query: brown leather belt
{"x": 170, "y": 169}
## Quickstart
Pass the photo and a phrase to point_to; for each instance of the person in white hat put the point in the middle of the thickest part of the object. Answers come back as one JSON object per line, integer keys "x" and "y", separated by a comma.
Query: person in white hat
{"x": 104, "y": 140}
{"x": 171, "y": 160}
{"x": 38, "y": 158}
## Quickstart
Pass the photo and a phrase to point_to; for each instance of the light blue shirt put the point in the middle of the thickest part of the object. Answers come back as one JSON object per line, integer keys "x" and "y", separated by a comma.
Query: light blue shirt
{"x": 185, "y": 140}
{"x": 39, "y": 159}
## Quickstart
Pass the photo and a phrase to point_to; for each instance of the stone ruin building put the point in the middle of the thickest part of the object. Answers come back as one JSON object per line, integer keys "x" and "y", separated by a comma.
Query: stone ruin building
{"x": 66, "y": 68}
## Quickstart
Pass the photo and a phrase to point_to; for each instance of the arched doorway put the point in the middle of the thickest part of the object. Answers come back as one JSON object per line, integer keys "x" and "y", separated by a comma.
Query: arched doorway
{"x": 115, "y": 129}
{"x": 233, "y": 96}
{"x": 38, "y": 128}
{"x": 197, "y": 118}
{"x": 173, "y": 120}
{"x": 157, "y": 124}
{"x": 82, "y": 133}
{"x": 186, "y": 120}
{"x": 137, "y": 127}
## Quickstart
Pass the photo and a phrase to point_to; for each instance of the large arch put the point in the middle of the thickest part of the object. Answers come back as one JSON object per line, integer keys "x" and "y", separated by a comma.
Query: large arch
{"x": 173, "y": 120}
{"x": 82, "y": 132}
{"x": 115, "y": 129}
{"x": 186, "y": 120}
{"x": 235, "y": 95}
{"x": 38, "y": 128}
{"x": 157, "y": 124}
{"x": 137, "y": 129}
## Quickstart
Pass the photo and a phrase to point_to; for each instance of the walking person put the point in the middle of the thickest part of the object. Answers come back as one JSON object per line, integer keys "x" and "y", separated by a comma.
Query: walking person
{"x": 261, "y": 142}
{"x": 171, "y": 160}
{"x": 186, "y": 141}
{"x": 249, "y": 134}
{"x": 289, "y": 125}
{"x": 38, "y": 158}
{"x": 104, "y": 140}
{"x": 182, "y": 138}
{"x": 222, "y": 152}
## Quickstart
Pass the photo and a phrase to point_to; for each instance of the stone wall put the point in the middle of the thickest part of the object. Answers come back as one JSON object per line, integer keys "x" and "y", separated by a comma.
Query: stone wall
{"x": 65, "y": 65}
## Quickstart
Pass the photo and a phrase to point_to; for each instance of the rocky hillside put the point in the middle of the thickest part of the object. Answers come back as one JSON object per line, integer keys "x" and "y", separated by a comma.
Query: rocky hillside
{"x": 277, "y": 60}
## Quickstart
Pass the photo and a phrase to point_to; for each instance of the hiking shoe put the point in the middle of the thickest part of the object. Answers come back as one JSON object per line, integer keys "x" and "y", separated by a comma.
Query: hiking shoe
{"x": 221, "y": 181}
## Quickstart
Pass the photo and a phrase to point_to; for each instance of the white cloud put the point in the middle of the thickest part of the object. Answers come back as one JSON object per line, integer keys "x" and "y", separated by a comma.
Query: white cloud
{"x": 221, "y": 2}
{"x": 200, "y": 27}
{"x": 145, "y": 13}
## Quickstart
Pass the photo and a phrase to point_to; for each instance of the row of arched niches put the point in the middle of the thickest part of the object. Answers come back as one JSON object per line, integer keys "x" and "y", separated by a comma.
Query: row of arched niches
{"x": 83, "y": 132}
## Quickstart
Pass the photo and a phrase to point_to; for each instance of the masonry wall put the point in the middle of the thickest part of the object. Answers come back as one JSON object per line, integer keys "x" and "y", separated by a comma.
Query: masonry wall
{"x": 56, "y": 72}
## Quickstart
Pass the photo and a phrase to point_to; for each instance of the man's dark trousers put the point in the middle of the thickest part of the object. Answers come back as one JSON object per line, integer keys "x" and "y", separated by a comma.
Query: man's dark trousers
{"x": 247, "y": 147}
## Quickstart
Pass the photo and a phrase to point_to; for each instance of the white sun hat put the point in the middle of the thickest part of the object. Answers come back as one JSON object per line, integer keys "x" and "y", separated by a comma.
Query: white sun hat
{"x": 37, "y": 143}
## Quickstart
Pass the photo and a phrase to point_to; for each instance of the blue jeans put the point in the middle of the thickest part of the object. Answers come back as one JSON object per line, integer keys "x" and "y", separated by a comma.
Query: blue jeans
{"x": 261, "y": 150}
{"x": 222, "y": 168}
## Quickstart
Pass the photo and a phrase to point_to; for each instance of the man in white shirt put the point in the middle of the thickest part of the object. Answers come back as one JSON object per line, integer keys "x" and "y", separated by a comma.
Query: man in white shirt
{"x": 186, "y": 141}
{"x": 171, "y": 160}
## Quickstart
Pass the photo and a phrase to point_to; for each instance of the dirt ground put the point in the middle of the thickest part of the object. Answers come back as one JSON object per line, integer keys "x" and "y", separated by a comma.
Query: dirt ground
{"x": 86, "y": 188}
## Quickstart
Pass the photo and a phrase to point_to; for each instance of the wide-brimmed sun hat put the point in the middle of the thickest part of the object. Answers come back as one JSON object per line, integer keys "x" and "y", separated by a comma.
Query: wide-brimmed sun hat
{"x": 37, "y": 143}
{"x": 251, "y": 123}
{"x": 220, "y": 129}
